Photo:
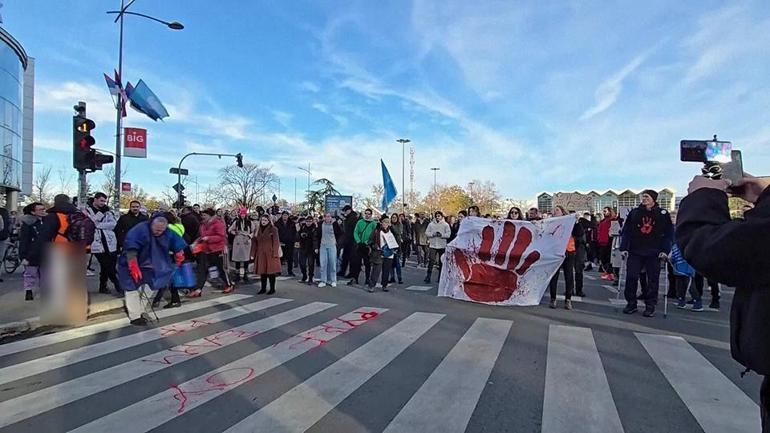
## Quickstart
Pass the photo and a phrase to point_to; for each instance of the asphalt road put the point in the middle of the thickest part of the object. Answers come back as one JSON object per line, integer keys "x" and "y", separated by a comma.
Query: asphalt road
{"x": 345, "y": 360}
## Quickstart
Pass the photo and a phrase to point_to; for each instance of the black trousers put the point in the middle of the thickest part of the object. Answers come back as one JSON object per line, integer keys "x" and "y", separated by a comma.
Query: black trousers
{"x": 361, "y": 255}
{"x": 578, "y": 264}
{"x": 264, "y": 278}
{"x": 288, "y": 255}
{"x": 307, "y": 264}
{"x": 407, "y": 245}
{"x": 568, "y": 267}
{"x": 434, "y": 256}
{"x": 207, "y": 261}
{"x": 605, "y": 258}
{"x": 764, "y": 406}
{"x": 713, "y": 285}
{"x": 634, "y": 265}
{"x": 107, "y": 269}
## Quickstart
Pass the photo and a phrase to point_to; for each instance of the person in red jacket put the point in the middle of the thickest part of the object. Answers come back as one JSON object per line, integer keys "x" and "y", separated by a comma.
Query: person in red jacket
{"x": 212, "y": 241}
{"x": 604, "y": 241}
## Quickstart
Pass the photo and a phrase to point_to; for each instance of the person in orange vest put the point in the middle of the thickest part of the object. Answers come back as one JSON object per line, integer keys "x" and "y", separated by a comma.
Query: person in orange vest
{"x": 567, "y": 266}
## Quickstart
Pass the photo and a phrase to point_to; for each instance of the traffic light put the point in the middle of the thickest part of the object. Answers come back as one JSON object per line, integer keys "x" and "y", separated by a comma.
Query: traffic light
{"x": 239, "y": 160}
{"x": 82, "y": 141}
{"x": 84, "y": 157}
{"x": 179, "y": 204}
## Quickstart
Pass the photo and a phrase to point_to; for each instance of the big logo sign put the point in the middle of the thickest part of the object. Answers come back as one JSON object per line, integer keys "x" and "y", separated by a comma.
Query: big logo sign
{"x": 504, "y": 262}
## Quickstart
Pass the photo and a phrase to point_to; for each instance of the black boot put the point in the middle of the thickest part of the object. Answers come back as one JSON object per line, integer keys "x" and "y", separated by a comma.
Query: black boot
{"x": 29, "y": 296}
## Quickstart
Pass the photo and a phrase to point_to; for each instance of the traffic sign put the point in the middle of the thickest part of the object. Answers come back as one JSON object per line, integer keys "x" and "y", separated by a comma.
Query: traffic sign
{"x": 174, "y": 170}
{"x": 275, "y": 199}
{"x": 125, "y": 187}
{"x": 178, "y": 188}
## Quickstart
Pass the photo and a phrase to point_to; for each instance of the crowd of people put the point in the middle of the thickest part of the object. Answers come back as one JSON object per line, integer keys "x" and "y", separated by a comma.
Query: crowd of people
{"x": 224, "y": 247}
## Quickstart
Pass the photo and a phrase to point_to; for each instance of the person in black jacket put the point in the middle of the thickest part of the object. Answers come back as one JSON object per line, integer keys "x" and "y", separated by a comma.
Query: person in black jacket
{"x": 191, "y": 224}
{"x": 31, "y": 247}
{"x": 645, "y": 240}
{"x": 307, "y": 246}
{"x": 733, "y": 252}
{"x": 348, "y": 243}
{"x": 287, "y": 234}
{"x": 128, "y": 221}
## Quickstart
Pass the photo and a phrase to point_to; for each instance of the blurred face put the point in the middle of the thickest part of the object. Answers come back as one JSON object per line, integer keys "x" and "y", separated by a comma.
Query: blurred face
{"x": 385, "y": 224}
{"x": 100, "y": 202}
{"x": 460, "y": 217}
{"x": 532, "y": 213}
{"x": 473, "y": 212}
{"x": 328, "y": 218}
{"x": 285, "y": 217}
{"x": 557, "y": 212}
{"x": 309, "y": 221}
{"x": 264, "y": 221}
{"x": 220, "y": 212}
{"x": 159, "y": 226}
{"x": 206, "y": 217}
{"x": 647, "y": 200}
{"x": 135, "y": 208}
{"x": 439, "y": 217}
{"x": 394, "y": 219}
{"x": 514, "y": 214}
{"x": 39, "y": 211}
{"x": 196, "y": 209}
{"x": 368, "y": 214}
{"x": 606, "y": 213}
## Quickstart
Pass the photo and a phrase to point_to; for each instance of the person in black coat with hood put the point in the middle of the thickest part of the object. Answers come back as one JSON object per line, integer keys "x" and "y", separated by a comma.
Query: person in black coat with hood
{"x": 734, "y": 252}
{"x": 31, "y": 247}
{"x": 348, "y": 242}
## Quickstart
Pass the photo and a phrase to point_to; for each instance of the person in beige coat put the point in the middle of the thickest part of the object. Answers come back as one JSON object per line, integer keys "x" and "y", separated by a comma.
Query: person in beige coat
{"x": 266, "y": 253}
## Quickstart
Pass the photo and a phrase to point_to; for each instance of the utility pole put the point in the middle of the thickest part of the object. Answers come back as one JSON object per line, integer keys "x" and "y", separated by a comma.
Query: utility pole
{"x": 435, "y": 189}
{"x": 403, "y": 142}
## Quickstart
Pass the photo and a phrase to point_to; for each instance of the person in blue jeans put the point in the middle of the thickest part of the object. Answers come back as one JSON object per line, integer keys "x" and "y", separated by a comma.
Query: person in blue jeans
{"x": 328, "y": 235}
{"x": 646, "y": 239}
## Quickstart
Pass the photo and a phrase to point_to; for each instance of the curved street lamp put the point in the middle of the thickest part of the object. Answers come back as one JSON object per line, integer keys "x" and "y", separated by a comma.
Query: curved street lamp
{"x": 174, "y": 25}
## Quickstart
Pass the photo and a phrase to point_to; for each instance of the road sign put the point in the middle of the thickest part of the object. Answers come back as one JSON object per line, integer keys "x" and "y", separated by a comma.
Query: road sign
{"x": 125, "y": 187}
{"x": 334, "y": 203}
{"x": 275, "y": 199}
{"x": 174, "y": 170}
{"x": 178, "y": 188}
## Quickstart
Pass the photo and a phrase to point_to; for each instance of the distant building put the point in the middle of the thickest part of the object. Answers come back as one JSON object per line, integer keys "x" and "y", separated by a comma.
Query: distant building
{"x": 594, "y": 202}
{"x": 16, "y": 102}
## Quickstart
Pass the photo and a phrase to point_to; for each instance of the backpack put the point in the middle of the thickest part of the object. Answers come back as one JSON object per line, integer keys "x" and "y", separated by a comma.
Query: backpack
{"x": 80, "y": 228}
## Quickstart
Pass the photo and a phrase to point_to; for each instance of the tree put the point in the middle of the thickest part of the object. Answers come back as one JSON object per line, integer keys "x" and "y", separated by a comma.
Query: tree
{"x": 485, "y": 196}
{"x": 315, "y": 199}
{"x": 244, "y": 186}
{"x": 41, "y": 186}
{"x": 374, "y": 200}
{"x": 66, "y": 182}
{"x": 108, "y": 183}
{"x": 449, "y": 199}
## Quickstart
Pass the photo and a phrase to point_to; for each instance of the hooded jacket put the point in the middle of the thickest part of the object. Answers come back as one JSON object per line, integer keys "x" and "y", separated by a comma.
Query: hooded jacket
{"x": 30, "y": 240}
{"x": 349, "y": 228}
{"x": 647, "y": 232}
{"x": 105, "y": 240}
{"x": 214, "y": 232}
{"x": 125, "y": 223}
{"x": 733, "y": 252}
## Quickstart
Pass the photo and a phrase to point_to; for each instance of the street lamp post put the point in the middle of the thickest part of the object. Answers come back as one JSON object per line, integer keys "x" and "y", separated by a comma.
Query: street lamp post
{"x": 174, "y": 25}
{"x": 403, "y": 142}
{"x": 435, "y": 170}
{"x": 309, "y": 173}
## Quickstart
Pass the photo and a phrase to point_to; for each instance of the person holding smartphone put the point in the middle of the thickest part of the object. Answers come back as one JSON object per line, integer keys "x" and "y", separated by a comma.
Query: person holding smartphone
{"x": 732, "y": 252}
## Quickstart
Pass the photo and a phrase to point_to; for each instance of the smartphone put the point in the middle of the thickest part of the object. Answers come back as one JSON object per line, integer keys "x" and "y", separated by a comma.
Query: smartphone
{"x": 733, "y": 170}
{"x": 705, "y": 151}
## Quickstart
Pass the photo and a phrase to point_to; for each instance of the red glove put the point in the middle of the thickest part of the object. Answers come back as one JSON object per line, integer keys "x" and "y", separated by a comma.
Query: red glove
{"x": 179, "y": 257}
{"x": 133, "y": 269}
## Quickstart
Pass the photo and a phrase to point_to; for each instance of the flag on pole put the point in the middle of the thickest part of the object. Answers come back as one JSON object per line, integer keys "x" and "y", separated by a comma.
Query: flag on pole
{"x": 389, "y": 194}
{"x": 112, "y": 85}
{"x": 116, "y": 91}
{"x": 144, "y": 101}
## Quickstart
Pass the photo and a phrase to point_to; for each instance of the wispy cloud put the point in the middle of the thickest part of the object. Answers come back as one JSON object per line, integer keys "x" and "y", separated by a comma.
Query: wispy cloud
{"x": 609, "y": 90}
{"x": 310, "y": 86}
{"x": 282, "y": 117}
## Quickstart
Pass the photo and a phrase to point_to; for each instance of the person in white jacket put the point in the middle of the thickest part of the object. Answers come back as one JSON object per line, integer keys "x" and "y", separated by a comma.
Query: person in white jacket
{"x": 437, "y": 232}
{"x": 105, "y": 244}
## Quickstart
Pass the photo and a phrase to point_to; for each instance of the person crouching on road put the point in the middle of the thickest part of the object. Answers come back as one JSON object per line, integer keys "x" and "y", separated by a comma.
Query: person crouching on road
{"x": 213, "y": 241}
{"x": 266, "y": 253}
{"x": 146, "y": 264}
{"x": 646, "y": 239}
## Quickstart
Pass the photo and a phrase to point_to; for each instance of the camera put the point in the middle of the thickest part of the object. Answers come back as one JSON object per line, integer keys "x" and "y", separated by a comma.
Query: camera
{"x": 719, "y": 159}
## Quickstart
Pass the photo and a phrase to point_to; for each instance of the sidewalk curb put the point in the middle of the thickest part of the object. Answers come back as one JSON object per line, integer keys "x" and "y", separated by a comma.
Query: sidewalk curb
{"x": 8, "y": 329}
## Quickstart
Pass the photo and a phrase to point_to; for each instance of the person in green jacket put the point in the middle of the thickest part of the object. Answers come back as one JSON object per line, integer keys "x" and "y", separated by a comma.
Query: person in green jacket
{"x": 362, "y": 235}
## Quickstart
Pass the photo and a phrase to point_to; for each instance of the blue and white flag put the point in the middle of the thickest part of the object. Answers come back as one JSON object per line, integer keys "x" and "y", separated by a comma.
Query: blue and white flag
{"x": 143, "y": 100}
{"x": 390, "y": 192}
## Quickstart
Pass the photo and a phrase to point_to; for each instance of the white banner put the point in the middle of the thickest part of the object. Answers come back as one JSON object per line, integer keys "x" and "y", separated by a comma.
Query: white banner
{"x": 504, "y": 262}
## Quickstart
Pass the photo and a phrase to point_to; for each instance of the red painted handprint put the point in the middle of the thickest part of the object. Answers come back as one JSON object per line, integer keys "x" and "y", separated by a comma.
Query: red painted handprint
{"x": 646, "y": 226}
{"x": 489, "y": 278}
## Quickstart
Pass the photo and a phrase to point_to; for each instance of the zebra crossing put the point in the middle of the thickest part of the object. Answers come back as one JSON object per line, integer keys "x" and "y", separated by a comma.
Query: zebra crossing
{"x": 279, "y": 365}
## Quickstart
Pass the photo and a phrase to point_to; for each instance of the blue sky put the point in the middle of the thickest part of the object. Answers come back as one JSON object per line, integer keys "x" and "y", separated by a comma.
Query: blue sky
{"x": 535, "y": 96}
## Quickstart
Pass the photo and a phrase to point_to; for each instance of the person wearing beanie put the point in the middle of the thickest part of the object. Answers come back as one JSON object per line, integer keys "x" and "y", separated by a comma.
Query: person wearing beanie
{"x": 646, "y": 238}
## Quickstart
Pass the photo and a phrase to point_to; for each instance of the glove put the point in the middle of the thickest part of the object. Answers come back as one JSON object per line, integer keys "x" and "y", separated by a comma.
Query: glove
{"x": 133, "y": 269}
{"x": 624, "y": 254}
{"x": 179, "y": 257}
{"x": 663, "y": 256}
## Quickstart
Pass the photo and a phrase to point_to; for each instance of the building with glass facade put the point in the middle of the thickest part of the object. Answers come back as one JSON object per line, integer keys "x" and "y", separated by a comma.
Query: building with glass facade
{"x": 14, "y": 119}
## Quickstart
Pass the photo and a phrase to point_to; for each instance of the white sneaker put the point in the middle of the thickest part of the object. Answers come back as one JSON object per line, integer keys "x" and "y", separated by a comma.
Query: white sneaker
{"x": 90, "y": 273}
{"x": 321, "y": 284}
{"x": 378, "y": 286}
{"x": 334, "y": 284}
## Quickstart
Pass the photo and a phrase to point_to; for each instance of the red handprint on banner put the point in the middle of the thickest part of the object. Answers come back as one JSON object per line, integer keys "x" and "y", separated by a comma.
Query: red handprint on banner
{"x": 495, "y": 277}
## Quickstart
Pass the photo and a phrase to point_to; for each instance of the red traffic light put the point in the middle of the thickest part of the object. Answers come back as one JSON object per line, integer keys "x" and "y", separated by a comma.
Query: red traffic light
{"x": 86, "y": 142}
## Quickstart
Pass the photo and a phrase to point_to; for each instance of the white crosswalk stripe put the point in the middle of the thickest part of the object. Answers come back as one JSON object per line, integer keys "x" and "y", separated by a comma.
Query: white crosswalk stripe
{"x": 444, "y": 397}
{"x": 40, "y": 365}
{"x": 84, "y": 331}
{"x": 66, "y": 392}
